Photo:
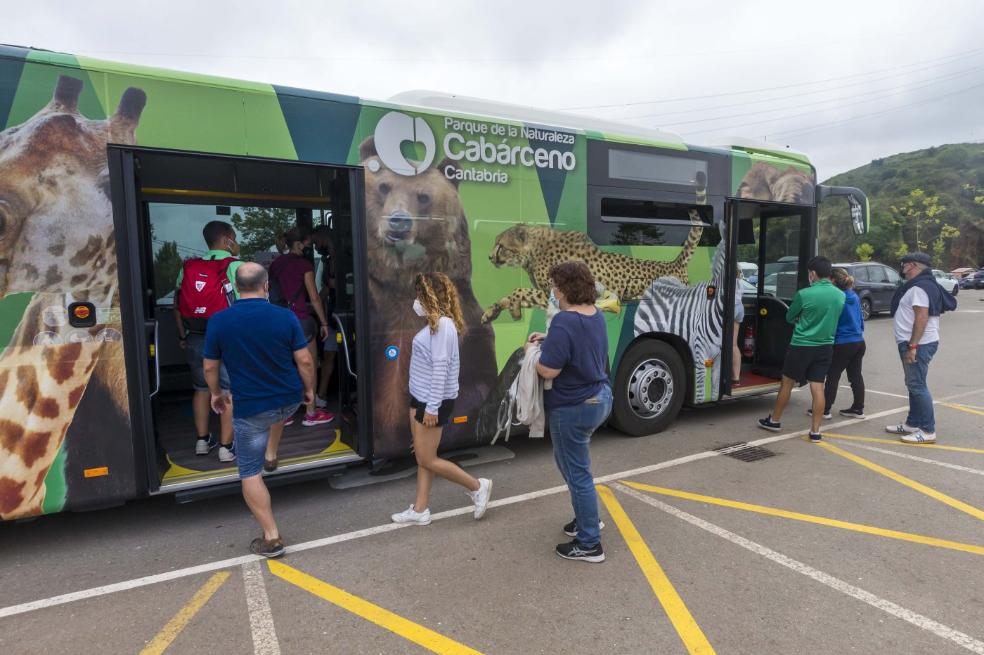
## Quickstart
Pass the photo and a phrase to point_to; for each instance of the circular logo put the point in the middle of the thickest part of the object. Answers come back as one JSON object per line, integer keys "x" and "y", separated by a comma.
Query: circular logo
{"x": 47, "y": 339}
{"x": 391, "y": 352}
{"x": 392, "y": 131}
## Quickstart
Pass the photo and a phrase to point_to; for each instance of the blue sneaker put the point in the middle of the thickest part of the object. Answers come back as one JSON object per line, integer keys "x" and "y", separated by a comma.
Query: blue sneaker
{"x": 768, "y": 424}
{"x": 816, "y": 437}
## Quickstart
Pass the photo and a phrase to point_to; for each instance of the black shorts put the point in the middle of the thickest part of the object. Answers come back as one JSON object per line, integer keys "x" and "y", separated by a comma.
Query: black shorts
{"x": 443, "y": 411}
{"x": 807, "y": 363}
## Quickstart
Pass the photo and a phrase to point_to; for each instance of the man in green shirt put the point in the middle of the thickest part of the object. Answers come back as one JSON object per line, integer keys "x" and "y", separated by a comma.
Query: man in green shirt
{"x": 815, "y": 311}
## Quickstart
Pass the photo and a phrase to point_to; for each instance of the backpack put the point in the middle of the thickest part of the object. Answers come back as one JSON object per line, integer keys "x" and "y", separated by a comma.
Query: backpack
{"x": 205, "y": 290}
{"x": 277, "y": 295}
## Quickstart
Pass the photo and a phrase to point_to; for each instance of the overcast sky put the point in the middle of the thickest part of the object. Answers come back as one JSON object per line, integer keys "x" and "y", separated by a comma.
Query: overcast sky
{"x": 844, "y": 82}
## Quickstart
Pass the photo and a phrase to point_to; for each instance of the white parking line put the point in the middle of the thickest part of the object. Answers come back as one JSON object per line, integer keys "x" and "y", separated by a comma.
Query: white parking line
{"x": 92, "y": 592}
{"x": 924, "y": 460}
{"x": 260, "y": 617}
{"x": 918, "y": 620}
{"x": 881, "y": 393}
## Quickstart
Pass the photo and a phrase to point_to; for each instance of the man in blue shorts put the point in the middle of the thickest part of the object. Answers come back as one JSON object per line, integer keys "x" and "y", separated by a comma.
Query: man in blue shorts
{"x": 270, "y": 373}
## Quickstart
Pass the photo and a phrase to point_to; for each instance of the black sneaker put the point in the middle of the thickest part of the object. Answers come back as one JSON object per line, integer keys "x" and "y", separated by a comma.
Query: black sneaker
{"x": 826, "y": 414}
{"x": 571, "y": 528}
{"x": 853, "y": 413}
{"x": 815, "y": 437}
{"x": 204, "y": 445}
{"x": 768, "y": 424}
{"x": 575, "y": 550}
{"x": 268, "y": 548}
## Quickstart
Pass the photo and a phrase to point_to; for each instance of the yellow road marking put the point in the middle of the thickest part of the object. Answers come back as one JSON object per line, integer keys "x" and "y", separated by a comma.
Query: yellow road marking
{"x": 690, "y": 633}
{"x": 810, "y": 518}
{"x": 396, "y": 624}
{"x": 912, "y": 484}
{"x": 963, "y": 408}
{"x": 184, "y": 616}
{"x": 896, "y": 442}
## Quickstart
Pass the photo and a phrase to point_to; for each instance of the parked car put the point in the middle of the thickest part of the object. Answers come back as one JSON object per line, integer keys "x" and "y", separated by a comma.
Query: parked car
{"x": 875, "y": 285}
{"x": 978, "y": 278}
{"x": 749, "y": 271}
{"x": 946, "y": 281}
{"x": 967, "y": 281}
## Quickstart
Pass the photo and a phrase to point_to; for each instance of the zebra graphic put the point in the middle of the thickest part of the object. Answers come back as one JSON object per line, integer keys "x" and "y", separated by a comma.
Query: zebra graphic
{"x": 670, "y": 307}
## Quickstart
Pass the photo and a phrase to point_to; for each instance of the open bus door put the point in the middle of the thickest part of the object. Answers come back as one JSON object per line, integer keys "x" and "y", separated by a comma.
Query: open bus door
{"x": 161, "y": 200}
{"x": 779, "y": 240}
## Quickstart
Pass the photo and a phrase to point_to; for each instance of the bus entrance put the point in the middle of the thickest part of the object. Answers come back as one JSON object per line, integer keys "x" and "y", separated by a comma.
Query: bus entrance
{"x": 168, "y": 198}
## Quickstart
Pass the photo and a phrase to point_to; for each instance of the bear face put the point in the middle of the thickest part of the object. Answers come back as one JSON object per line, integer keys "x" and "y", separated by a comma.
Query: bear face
{"x": 415, "y": 223}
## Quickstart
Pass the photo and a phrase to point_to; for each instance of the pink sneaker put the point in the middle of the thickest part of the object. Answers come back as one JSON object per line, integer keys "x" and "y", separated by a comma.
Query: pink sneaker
{"x": 289, "y": 421}
{"x": 320, "y": 416}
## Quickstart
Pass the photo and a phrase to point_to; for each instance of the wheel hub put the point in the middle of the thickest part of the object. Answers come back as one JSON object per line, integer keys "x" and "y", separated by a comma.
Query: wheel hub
{"x": 650, "y": 388}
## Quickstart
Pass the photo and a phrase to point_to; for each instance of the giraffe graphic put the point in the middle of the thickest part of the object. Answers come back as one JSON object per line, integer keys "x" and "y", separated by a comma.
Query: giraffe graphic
{"x": 56, "y": 242}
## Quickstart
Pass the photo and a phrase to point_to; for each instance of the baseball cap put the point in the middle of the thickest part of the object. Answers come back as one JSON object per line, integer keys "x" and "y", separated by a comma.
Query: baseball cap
{"x": 918, "y": 258}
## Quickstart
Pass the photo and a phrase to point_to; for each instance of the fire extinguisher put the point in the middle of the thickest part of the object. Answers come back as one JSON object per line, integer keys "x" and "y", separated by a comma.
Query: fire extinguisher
{"x": 748, "y": 343}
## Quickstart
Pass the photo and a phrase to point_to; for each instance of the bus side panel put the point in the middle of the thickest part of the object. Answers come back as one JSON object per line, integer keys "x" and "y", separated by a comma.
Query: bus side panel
{"x": 65, "y": 437}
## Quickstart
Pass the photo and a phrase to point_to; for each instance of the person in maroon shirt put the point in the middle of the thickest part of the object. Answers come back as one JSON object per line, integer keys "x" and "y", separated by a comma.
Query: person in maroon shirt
{"x": 294, "y": 273}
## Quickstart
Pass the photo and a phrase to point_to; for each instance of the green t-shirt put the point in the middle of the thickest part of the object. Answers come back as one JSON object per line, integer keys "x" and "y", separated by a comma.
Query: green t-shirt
{"x": 818, "y": 308}
{"x": 230, "y": 272}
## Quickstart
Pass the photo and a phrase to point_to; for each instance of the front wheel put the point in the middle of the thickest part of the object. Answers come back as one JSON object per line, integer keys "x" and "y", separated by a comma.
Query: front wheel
{"x": 865, "y": 308}
{"x": 649, "y": 388}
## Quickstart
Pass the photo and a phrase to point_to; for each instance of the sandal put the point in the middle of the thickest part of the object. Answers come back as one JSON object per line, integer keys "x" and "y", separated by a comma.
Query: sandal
{"x": 270, "y": 465}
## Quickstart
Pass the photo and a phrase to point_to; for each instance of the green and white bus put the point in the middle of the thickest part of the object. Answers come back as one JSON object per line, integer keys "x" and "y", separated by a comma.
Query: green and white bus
{"x": 108, "y": 173}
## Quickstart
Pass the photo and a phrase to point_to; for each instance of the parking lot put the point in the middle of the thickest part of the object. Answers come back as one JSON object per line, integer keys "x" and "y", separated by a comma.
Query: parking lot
{"x": 719, "y": 537}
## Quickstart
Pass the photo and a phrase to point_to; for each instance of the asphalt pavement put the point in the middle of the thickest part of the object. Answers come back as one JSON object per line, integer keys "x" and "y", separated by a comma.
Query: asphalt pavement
{"x": 861, "y": 544}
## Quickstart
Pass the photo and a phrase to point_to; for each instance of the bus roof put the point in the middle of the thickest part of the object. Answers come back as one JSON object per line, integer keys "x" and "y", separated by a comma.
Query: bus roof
{"x": 431, "y": 101}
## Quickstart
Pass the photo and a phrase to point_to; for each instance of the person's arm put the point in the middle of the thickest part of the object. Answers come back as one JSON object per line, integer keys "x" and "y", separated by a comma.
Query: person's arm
{"x": 182, "y": 335}
{"x": 305, "y": 367}
{"x": 546, "y": 372}
{"x": 312, "y": 292}
{"x": 795, "y": 308}
{"x": 219, "y": 397}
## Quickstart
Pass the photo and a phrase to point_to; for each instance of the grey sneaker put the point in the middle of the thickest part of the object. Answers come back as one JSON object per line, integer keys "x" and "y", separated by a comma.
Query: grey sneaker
{"x": 901, "y": 428}
{"x": 227, "y": 454}
{"x": 919, "y": 437}
{"x": 577, "y": 551}
{"x": 481, "y": 497}
{"x": 409, "y": 515}
{"x": 204, "y": 445}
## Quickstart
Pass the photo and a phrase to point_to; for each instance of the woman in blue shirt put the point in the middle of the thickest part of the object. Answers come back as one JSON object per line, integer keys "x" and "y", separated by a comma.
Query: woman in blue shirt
{"x": 848, "y": 349}
{"x": 574, "y": 356}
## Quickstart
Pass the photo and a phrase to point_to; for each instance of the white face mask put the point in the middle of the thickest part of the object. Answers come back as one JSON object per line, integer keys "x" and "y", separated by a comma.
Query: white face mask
{"x": 553, "y": 299}
{"x": 419, "y": 309}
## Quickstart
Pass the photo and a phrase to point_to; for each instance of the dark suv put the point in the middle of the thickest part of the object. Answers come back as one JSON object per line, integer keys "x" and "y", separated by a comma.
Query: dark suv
{"x": 875, "y": 285}
{"x": 978, "y": 279}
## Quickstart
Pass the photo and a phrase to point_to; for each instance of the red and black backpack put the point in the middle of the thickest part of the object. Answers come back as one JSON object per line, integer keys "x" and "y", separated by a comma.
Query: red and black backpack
{"x": 205, "y": 290}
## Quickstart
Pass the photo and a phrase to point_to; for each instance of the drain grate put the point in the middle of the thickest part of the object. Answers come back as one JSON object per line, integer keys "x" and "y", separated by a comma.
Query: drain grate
{"x": 742, "y": 451}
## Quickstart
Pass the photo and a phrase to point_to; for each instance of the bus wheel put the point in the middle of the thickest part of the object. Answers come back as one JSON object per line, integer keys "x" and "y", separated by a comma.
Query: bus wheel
{"x": 649, "y": 388}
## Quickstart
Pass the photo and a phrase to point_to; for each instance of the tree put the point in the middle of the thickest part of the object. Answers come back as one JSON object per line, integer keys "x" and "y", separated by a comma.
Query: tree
{"x": 864, "y": 252}
{"x": 947, "y": 232}
{"x": 917, "y": 217}
{"x": 167, "y": 263}
{"x": 260, "y": 227}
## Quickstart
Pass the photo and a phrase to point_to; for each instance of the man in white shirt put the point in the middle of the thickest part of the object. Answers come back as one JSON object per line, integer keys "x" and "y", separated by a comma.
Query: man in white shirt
{"x": 916, "y": 308}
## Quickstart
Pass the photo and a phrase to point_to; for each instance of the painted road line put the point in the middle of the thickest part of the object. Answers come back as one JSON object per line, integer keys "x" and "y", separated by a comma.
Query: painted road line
{"x": 912, "y": 484}
{"x": 898, "y": 442}
{"x": 918, "y": 620}
{"x": 265, "y": 640}
{"x": 395, "y": 623}
{"x": 184, "y": 616}
{"x": 676, "y": 610}
{"x": 125, "y": 585}
{"x": 881, "y": 393}
{"x": 963, "y": 408}
{"x": 810, "y": 518}
{"x": 955, "y": 467}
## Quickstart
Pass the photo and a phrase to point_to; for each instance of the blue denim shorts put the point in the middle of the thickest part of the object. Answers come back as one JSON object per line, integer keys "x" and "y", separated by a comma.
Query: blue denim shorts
{"x": 194, "y": 353}
{"x": 251, "y": 434}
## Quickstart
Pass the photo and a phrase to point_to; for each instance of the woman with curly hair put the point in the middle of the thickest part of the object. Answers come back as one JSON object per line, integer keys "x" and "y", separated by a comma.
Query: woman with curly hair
{"x": 574, "y": 355}
{"x": 434, "y": 366}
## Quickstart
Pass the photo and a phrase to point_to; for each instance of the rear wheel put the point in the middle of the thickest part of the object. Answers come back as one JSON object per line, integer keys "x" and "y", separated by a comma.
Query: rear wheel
{"x": 649, "y": 388}
{"x": 866, "y": 308}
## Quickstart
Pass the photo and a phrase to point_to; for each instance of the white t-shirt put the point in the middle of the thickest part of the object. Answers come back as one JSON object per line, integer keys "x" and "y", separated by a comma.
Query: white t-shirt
{"x": 905, "y": 316}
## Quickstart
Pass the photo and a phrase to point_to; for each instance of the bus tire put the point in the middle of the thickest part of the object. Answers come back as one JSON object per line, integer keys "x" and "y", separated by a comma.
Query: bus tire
{"x": 649, "y": 388}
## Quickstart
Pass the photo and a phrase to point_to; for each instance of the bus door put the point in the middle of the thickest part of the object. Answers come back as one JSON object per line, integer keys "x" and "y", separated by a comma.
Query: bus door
{"x": 162, "y": 201}
{"x": 774, "y": 242}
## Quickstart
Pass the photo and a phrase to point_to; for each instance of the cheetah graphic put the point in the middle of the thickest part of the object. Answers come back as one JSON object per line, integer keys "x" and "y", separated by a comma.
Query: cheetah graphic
{"x": 536, "y": 248}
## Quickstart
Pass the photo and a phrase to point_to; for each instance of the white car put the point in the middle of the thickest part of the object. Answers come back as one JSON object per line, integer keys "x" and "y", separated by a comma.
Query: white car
{"x": 947, "y": 281}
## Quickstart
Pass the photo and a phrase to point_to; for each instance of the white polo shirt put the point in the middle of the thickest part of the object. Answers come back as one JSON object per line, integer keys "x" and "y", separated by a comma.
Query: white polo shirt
{"x": 905, "y": 316}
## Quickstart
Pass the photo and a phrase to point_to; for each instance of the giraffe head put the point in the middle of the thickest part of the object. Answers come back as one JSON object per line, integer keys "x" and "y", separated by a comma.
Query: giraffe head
{"x": 56, "y": 224}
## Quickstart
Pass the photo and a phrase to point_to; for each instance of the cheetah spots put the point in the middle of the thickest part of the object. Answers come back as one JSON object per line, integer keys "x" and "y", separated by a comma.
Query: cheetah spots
{"x": 61, "y": 361}
{"x": 11, "y": 495}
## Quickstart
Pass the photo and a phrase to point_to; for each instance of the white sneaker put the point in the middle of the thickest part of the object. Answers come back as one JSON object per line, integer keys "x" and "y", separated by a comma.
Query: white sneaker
{"x": 226, "y": 454}
{"x": 919, "y": 437}
{"x": 410, "y": 516}
{"x": 320, "y": 402}
{"x": 481, "y": 497}
{"x": 901, "y": 428}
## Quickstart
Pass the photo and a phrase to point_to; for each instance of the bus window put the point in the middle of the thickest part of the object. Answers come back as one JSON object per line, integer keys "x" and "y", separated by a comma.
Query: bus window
{"x": 632, "y": 221}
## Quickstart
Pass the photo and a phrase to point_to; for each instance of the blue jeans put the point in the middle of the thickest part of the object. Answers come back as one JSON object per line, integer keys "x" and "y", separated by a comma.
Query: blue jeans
{"x": 920, "y": 401}
{"x": 251, "y": 434}
{"x": 570, "y": 431}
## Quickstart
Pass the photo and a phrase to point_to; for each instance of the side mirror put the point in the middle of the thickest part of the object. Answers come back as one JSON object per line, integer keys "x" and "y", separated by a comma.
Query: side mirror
{"x": 858, "y": 202}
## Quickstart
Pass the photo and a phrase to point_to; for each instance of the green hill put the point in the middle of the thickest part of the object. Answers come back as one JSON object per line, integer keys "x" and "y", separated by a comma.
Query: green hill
{"x": 930, "y": 200}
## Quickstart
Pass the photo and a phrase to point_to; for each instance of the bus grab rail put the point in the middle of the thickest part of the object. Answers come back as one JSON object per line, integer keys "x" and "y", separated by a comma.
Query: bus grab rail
{"x": 341, "y": 331}
{"x": 157, "y": 360}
